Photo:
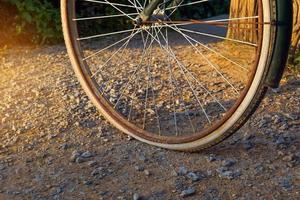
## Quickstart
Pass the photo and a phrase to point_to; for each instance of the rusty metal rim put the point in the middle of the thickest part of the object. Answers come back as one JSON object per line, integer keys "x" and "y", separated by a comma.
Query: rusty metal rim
{"x": 119, "y": 119}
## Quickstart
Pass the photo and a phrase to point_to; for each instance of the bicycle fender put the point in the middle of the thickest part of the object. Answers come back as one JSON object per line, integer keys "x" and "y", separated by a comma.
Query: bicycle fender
{"x": 283, "y": 20}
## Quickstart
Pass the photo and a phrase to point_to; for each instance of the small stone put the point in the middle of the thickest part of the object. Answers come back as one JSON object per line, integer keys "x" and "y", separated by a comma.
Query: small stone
{"x": 288, "y": 158}
{"x": 280, "y": 140}
{"x": 211, "y": 158}
{"x": 88, "y": 182}
{"x": 248, "y": 145}
{"x": 284, "y": 126}
{"x": 194, "y": 177}
{"x": 280, "y": 153}
{"x": 139, "y": 168}
{"x": 105, "y": 140}
{"x": 137, "y": 196}
{"x": 262, "y": 123}
{"x": 63, "y": 146}
{"x": 97, "y": 171}
{"x": 89, "y": 124}
{"x": 75, "y": 155}
{"x": 174, "y": 173}
{"x": 297, "y": 153}
{"x": 248, "y": 136}
{"x": 259, "y": 168}
{"x": 225, "y": 173}
{"x": 92, "y": 163}
{"x": 188, "y": 192}
{"x": 51, "y": 136}
{"x": 86, "y": 154}
{"x": 285, "y": 183}
{"x": 80, "y": 160}
{"x": 147, "y": 172}
{"x": 209, "y": 172}
{"x": 277, "y": 119}
{"x": 142, "y": 158}
{"x": 2, "y": 167}
{"x": 228, "y": 163}
{"x": 182, "y": 171}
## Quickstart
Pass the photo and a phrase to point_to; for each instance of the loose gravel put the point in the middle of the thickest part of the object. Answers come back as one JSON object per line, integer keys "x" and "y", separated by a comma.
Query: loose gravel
{"x": 55, "y": 145}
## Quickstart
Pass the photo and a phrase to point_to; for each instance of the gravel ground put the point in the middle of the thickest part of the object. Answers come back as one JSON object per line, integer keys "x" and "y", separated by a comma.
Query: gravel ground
{"x": 55, "y": 145}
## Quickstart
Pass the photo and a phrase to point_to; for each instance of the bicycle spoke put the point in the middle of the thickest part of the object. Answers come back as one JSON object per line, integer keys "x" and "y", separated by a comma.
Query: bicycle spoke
{"x": 122, "y": 47}
{"x": 176, "y": 84}
{"x": 217, "y": 53}
{"x": 108, "y": 47}
{"x": 152, "y": 88}
{"x": 109, "y": 3}
{"x": 219, "y": 37}
{"x": 187, "y": 4}
{"x": 106, "y": 34}
{"x": 145, "y": 50}
{"x": 177, "y": 77}
{"x": 169, "y": 51}
{"x": 104, "y": 17}
{"x": 203, "y": 87}
{"x": 207, "y": 60}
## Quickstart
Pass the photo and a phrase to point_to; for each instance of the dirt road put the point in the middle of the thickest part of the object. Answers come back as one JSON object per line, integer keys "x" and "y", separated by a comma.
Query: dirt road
{"x": 55, "y": 145}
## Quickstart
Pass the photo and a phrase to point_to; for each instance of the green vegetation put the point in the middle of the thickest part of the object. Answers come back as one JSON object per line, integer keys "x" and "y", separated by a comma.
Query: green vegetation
{"x": 45, "y": 17}
{"x": 42, "y": 15}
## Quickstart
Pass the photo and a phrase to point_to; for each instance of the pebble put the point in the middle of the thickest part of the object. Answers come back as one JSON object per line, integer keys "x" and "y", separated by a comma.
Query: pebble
{"x": 51, "y": 136}
{"x": 143, "y": 158}
{"x": 285, "y": 183}
{"x": 195, "y": 177}
{"x": 89, "y": 124}
{"x": 182, "y": 171}
{"x": 97, "y": 171}
{"x": 86, "y": 154}
{"x": 88, "y": 182}
{"x": 297, "y": 153}
{"x": 259, "y": 168}
{"x": 284, "y": 126}
{"x": 211, "y": 158}
{"x": 80, "y": 160}
{"x": 64, "y": 146}
{"x": 139, "y": 168}
{"x": 262, "y": 123}
{"x": 92, "y": 163}
{"x": 2, "y": 167}
{"x": 174, "y": 173}
{"x": 137, "y": 196}
{"x": 75, "y": 155}
{"x": 288, "y": 158}
{"x": 209, "y": 172}
{"x": 277, "y": 119}
{"x": 188, "y": 192}
{"x": 147, "y": 172}
{"x": 228, "y": 163}
{"x": 224, "y": 172}
{"x": 280, "y": 140}
{"x": 248, "y": 145}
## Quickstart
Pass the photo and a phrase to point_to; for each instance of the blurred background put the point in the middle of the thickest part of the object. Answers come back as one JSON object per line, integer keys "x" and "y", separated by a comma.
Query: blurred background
{"x": 37, "y": 22}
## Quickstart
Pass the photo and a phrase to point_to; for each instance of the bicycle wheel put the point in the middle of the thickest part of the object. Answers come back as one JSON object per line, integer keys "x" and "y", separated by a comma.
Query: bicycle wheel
{"x": 171, "y": 81}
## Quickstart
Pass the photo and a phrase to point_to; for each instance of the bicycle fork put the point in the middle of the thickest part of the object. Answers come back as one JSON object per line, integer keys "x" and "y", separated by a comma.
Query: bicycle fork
{"x": 153, "y": 5}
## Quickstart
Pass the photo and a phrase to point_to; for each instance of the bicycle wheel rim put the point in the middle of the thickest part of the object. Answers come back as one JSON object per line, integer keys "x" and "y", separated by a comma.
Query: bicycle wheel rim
{"x": 121, "y": 123}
